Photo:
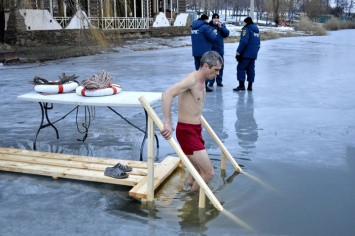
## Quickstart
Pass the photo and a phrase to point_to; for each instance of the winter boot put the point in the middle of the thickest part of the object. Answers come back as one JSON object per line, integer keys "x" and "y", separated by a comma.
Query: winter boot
{"x": 241, "y": 87}
{"x": 250, "y": 86}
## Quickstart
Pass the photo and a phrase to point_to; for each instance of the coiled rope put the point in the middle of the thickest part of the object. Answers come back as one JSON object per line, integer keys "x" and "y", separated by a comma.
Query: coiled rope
{"x": 63, "y": 79}
{"x": 97, "y": 81}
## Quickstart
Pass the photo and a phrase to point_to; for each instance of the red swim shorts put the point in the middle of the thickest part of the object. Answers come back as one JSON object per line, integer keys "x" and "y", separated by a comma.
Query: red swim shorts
{"x": 189, "y": 137}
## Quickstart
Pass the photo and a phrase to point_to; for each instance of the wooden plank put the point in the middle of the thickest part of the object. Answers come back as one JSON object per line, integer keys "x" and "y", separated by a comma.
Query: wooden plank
{"x": 161, "y": 172}
{"x": 150, "y": 161}
{"x": 65, "y": 163}
{"x": 85, "y": 168}
{"x": 69, "y": 157}
{"x": 64, "y": 172}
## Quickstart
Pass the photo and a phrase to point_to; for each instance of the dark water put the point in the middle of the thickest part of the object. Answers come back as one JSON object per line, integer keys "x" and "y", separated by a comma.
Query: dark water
{"x": 295, "y": 133}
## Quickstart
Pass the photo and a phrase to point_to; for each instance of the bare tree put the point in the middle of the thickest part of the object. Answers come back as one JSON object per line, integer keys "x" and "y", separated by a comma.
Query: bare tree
{"x": 349, "y": 7}
{"x": 2, "y": 21}
{"x": 276, "y": 6}
{"x": 259, "y": 8}
{"x": 292, "y": 7}
{"x": 314, "y": 8}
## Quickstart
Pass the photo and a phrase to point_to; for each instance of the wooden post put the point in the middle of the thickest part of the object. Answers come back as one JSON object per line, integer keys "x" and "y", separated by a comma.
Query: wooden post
{"x": 150, "y": 181}
{"x": 223, "y": 161}
{"x": 183, "y": 157}
{"x": 220, "y": 144}
{"x": 202, "y": 199}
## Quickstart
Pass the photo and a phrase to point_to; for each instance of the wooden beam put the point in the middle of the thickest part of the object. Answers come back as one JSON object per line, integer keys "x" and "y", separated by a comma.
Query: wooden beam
{"x": 161, "y": 172}
{"x": 70, "y": 157}
{"x": 89, "y": 168}
{"x": 64, "y": 172}
{"x": 150, "y": 182}
{"x": 220, "y": 144}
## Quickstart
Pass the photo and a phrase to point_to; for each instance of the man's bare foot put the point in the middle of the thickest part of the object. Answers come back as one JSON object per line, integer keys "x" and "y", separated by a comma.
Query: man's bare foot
{"x": 187, "y": 187}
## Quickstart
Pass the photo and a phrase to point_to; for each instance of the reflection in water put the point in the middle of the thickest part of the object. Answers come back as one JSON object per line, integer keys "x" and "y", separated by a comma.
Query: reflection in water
{"x": 173, "y": 201}
{"x": 245, "y": 125}
{"x": 215, "y": 115}
{"x": 350, "y": 154}
{"x": 193, "y": 218}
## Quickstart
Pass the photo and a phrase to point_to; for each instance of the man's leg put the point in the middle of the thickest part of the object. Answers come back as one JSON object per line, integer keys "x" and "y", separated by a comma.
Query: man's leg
{"x": 203, "y": 165}
{"x": 241, "y": 73}
{"x": 250, "y": 70}
{"x": 189, "y": 178}
{"x": 220, "y": 76}
{"x": 241, "y": 69}
{"x": 197, "y": 62}
{"x": 210, "y": 82}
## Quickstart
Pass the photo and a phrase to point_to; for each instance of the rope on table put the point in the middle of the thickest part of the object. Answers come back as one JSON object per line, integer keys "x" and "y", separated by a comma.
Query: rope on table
{"x": 96, "y": 81}
{"x": 99, "y": 81}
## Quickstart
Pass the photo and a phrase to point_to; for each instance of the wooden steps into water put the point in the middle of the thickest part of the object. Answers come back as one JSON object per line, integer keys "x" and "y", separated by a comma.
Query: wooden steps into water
{"x": 85, "y": 168}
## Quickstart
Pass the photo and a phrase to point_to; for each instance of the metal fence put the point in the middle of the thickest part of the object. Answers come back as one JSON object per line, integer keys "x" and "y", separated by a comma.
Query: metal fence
{"x": 108, "y": 23}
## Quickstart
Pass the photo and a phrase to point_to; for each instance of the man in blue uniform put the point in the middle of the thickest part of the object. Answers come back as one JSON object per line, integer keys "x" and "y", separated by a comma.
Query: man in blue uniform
{"x": 218, "y": 45}
{"x": 201, "y": 37}
{"x": 247, "y": 53}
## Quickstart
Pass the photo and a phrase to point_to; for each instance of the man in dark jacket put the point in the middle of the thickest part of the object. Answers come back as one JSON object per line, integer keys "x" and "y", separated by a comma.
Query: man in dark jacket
{"x": 201, "y": 37}
{"x": 247, "y": 53}
{"x": 218, "y": 44}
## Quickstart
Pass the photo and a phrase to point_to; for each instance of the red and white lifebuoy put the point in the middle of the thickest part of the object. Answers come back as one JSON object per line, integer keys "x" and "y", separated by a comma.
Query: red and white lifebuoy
{"x": 110, "y": 90}
{"x": 56, "y": 88}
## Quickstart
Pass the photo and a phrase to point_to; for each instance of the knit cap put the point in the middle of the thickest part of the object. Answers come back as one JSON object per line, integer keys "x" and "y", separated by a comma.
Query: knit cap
{"x": 248, "y": 20}
{"x": 204, "y": 17}
{"x": 215, "y": 15}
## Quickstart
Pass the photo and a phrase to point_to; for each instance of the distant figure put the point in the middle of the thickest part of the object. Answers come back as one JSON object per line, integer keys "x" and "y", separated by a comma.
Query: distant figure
{"x": 201, "y": 38}
{"x": 218, "y": 45}
{"x": 247, "y": 53}
{"x": 191, "y": 98}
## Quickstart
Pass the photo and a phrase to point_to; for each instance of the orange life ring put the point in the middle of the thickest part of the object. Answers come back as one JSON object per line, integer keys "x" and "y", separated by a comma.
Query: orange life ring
{"x": 56, "y": 88}
{"x": 110, "y": 90}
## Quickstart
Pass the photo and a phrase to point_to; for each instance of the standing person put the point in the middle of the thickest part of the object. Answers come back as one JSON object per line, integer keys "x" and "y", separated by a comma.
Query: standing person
{"x": 247, "y": 53}
{"x": 218, "y": 45}
{"x": 201, "y": 38}
{"x": 191, "y": 97}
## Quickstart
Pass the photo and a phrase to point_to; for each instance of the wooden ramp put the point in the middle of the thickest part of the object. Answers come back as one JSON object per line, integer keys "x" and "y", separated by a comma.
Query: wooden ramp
{"x": 85, "y": 168}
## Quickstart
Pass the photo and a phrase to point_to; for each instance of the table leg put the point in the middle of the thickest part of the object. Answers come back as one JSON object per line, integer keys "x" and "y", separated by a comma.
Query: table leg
{"x": 144, "y": 131}
{"x": 145, "y": 136}
{"x": 44, "y": 110}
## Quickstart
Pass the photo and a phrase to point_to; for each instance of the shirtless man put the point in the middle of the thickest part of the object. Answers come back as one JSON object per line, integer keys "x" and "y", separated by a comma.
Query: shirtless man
{"x": 191, "y": 97}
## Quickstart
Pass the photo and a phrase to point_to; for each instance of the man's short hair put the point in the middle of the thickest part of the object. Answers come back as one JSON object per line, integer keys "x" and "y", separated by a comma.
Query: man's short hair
{"x": 211, "y": 58}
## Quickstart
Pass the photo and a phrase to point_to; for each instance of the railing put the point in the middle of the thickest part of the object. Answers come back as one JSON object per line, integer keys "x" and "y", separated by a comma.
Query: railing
{"x": 108, "y": 23}
{"x": 63, "y": 21}
{"x": 153, "y": 118}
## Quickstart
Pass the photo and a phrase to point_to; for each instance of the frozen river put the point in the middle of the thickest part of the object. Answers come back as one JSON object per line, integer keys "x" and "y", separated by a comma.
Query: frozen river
{"x": 295, "y": 132}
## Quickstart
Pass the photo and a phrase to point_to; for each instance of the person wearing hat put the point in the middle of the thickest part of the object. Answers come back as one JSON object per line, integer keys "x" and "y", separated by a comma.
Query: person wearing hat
{"x": 218, "y": 45}
{"x": 247, "y": 53}
{"x": 201, "y": 38}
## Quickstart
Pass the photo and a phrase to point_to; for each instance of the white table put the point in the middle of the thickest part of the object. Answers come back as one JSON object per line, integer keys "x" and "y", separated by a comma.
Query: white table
{"x": 122, "y": 99}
